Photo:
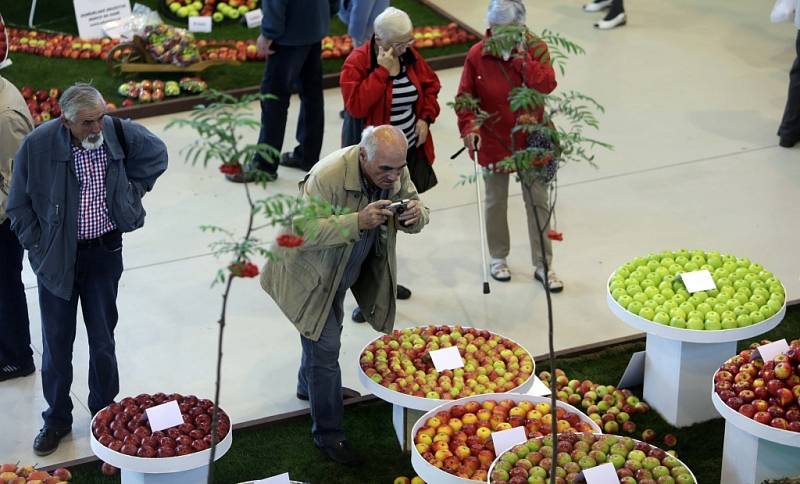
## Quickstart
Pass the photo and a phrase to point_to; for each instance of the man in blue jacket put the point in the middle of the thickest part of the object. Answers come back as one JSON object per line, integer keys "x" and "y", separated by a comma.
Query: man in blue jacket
{"x": 291, "y": 33}
{"x": 78, "y": 185}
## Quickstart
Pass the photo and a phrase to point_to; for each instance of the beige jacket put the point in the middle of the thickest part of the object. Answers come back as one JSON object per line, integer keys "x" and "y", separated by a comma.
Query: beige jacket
{"x": 303, "y": 281}
{"x": 15, "y": 124}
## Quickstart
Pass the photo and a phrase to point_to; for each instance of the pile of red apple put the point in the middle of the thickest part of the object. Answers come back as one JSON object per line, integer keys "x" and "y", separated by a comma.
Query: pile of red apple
{"x": 58, "y": 45}
{"x": 3, "y": 40}
{"x": 339, "y": 46}
{"x": 400, "y": 362}
{"x": 767, "y": 392}
{"x": 636, "y": 462}
{"x": 16, "y": 474}
{"x": 610, "y": 408}
{"x": 230, "y": 50}
{"x": 458, "y": 440}
{"x": 123, "y": 427}
{"x": 43, "y": 105}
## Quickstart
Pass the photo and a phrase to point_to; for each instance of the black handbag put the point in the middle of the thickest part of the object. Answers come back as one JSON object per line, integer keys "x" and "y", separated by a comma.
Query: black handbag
{"x": 421, "y": 172}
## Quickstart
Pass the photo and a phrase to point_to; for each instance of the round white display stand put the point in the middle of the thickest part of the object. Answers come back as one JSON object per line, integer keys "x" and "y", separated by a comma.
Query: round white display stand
{"x": 597, "y": 433}
{"x": 754, "y": 452}
{"x": 406, "y": 409}
{"x": 678, "y": 363}
{"x": 430, "y": 473}
{"x": 184, "y": 469}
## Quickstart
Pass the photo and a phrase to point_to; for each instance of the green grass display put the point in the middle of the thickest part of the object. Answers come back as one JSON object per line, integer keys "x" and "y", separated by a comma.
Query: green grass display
{"x": 286, "y": 446}
{"x": 57, "y": 15}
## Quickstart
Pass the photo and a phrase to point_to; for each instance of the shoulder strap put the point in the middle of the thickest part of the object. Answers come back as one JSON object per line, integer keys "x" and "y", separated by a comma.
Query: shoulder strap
{"x": 121, "y": 139}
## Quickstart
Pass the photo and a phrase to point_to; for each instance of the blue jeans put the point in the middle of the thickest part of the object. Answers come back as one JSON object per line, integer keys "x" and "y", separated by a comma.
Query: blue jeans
{"x": 293, "y": 66}
{"x": 15, "y": 333}
{"x": 97, "y": 273}
{"x": 320, "y": 377}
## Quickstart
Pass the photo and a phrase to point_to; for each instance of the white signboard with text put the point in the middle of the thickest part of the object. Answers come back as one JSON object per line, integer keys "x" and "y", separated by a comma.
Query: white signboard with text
{"x": 92, "y": 15}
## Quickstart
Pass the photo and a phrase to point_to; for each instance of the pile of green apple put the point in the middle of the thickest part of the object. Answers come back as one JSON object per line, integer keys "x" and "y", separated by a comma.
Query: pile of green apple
{"x": 651, "y": 288}
{"x": 400, "y": 362}
{"x": 635, "y": 461}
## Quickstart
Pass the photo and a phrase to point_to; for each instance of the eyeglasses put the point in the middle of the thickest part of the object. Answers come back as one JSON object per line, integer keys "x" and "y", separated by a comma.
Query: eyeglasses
{"x": 402, "y": 45}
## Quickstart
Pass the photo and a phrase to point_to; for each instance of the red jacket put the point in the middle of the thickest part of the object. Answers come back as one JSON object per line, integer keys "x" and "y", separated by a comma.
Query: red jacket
{"x": 367, "y": 89}
{"x": 483, "y": 78}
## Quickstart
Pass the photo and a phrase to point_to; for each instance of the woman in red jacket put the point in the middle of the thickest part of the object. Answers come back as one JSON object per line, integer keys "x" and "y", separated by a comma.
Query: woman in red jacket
{"x": 386, "y": 81}
{"x": 490, "y": 79}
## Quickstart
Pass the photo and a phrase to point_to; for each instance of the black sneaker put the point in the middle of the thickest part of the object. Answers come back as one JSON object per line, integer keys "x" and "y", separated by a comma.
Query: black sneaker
{"x": 9, "y": 371}
{"x": 341, "y": 453}
{"x": 358, "y": 316}
{"x": 47, "y": 441}
{"x": 403, "y": 292}
{"x": 788, "y": 141}
{"x": 249, "y": 177}
{"x": 288, "y": 160}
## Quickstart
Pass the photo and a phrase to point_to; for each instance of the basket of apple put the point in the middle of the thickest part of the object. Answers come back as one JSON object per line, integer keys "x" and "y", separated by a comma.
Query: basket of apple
{"x": 17, "y": 474}
{"x": 760, "y": 397}
{"x": 398, "y": 367}
{"x": 634, "y": 461}
{"x": 121, "y": 434}
{"x": 453, "y": 442}
{"x": 651, "y": 290}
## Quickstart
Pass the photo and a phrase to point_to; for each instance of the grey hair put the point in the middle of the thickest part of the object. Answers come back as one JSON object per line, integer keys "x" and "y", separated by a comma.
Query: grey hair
{"x": 505, "y": 12}
{"x": 392, "y": 23}
{"x": 370, "y": 142}
{"x": 79, "y": 97}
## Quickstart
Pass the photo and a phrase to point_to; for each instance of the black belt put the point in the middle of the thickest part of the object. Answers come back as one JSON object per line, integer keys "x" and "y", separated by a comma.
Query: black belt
{"x": 99, "y": 241}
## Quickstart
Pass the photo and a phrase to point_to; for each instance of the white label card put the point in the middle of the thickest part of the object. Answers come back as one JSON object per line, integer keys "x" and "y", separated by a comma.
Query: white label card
{"x": 200, "y": 24}
{"x": 602, "y": 474}
{"x": 770, "y": 351}
{"x": 281, "y": 479}
{"x": 506, "y": 439}
{"x": 253, "y": 18}
{"x": 696, "y": 281}
{"x": 539, "y": 389}
{"x": 164, "y": 416}
{"x": 447, "y": 359}
{"x": 91, "y": 15}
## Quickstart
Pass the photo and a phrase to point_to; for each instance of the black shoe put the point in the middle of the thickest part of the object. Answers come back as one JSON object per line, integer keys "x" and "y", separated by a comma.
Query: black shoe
{"x": 403, "y": 292}
{"x": 788, "y": 141}
{"x": 250, "y": 177}
{"x": 288, "y": 160}
{"x": 347, "y": 394}
{"x": 9, "y": 371}
{"x": 341, "y": 114}
{"x": 47, "y": 441}
{"x": 358, "y": 316}
{"x": 341, "y": 453}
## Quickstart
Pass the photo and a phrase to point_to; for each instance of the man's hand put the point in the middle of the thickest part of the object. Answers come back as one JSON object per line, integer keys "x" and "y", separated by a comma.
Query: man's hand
{"x": 374, "y": 215}
{"x": 472, "y": 141}
{"x": 422, "y": 131}
{"x": 262, "y": 46}
{"x": 412, "y": 213}
{"x": 387, "y": 59}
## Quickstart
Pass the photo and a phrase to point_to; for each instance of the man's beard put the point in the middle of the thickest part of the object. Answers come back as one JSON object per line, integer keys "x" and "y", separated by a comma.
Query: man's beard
{"x": 92, "y": 142}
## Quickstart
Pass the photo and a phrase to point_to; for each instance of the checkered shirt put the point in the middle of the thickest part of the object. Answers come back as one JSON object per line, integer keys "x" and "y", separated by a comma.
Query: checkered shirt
{"x": 93, "y": 218}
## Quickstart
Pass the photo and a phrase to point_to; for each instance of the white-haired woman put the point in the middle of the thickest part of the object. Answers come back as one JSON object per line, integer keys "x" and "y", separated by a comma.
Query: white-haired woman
{"x": 490, "y": 79}
{"x": 386, "y": 81}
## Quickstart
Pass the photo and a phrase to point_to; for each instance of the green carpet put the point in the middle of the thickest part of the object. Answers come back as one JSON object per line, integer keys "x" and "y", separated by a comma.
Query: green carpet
{"x": 286, "y": 446}
{"x": 57, "y": 15}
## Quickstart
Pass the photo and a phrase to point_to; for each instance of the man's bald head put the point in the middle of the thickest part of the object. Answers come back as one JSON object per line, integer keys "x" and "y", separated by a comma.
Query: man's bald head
{"x": 383, "y": 154}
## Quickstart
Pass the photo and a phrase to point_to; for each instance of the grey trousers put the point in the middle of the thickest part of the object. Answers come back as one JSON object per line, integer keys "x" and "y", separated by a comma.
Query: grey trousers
{"x": 534, "y": 195}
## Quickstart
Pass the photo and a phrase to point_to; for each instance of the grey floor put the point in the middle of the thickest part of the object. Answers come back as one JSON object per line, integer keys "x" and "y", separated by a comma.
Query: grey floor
{"x": 694, "y": 92}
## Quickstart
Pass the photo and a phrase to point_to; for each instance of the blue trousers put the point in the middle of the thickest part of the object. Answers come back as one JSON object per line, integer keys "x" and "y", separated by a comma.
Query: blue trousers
{"x": 293, "y": 67}
{"x": 15, "y": 333}
{"x": 320, "y": 377}
{"x": 97, "y": 273}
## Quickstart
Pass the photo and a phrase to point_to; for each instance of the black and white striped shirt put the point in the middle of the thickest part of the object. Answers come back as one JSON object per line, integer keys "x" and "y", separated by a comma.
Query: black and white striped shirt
{"x": 404, "y": 98}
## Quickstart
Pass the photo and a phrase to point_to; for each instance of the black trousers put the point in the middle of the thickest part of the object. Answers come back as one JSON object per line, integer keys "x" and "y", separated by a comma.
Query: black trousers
{"x": 291, "y": 67}
{"x": 790, "y": 125}
{"x": 15, "y": 334}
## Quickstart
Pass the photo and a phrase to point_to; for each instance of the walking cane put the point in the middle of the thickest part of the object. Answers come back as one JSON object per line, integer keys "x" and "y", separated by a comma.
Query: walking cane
{"x": 480, "y": 220}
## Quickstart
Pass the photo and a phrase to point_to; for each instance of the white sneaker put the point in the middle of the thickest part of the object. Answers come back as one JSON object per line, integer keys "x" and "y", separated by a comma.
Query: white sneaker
{"x": 597, "y": 6}
{"x": 617, "y": 21}
{"x": 499, "y": 270}
{"x": 552, "y": 279}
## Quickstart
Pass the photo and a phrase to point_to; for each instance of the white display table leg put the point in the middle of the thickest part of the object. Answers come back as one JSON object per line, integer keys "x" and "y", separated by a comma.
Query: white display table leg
{"x": 403, "y": 420}
{"x": 194, "y": 476}
{"x": 677, "y": 378}
{"x": 749, "y": 460}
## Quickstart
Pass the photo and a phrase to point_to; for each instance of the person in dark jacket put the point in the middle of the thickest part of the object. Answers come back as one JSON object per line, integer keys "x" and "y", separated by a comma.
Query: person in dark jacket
{"x": 789, "y": 130}
{"x": 291, "y": 32}
{"x": 78, "y": 185}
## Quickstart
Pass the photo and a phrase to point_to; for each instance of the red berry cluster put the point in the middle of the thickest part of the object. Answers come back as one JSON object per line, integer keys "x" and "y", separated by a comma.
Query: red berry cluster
{"x": 230, "y": 168}
{"x": 289, "y": 240}
{"x": 243, "y": 269}
{"x": 555, "y": 235}
{"x": 123, "y": 427}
